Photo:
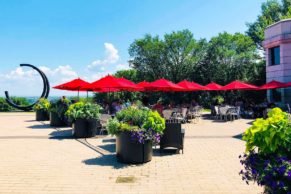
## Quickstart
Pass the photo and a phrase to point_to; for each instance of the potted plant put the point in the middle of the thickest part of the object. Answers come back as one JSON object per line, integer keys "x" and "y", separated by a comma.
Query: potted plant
{"x": 267, "y": 160}
{"x": 57, "y": 112}
{"x": 41, "y": 108}
{"x": 136, "y": 129}
{"x": 85, "y": 117}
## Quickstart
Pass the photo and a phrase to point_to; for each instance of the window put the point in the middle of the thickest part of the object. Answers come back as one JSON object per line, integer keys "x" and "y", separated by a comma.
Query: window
{"x": 275, "y": 55}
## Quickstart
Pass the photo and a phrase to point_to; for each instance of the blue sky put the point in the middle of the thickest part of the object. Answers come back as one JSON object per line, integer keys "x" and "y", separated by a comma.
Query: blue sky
{"x": 90, "y": 38}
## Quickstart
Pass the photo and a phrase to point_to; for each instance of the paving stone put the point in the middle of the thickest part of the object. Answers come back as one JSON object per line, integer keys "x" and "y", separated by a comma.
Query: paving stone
{"x": 36, "y": 158}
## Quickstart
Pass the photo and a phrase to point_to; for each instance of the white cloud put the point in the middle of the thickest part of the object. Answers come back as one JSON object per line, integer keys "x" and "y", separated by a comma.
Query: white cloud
{"x": 122, "y": 67}
{"x": 111, "y": 56}
{"x": 29, "y": 79}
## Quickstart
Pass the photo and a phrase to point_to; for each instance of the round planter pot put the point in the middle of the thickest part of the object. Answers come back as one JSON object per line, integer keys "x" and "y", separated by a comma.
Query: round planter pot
{"x": 56, "y": 121}
{"x": 131, "y": 152}
{"x": 83, "y": 128}
{"x": 41, "y": 115}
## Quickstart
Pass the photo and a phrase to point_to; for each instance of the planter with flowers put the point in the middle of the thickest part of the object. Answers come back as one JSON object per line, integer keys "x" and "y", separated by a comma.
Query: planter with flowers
{"x": 267, "y": 160}
{"x": 41, "y": 109}
{"x": 57, "y": 112}
{"x": 85, "y": 118}
{"x": 136, "y": 130}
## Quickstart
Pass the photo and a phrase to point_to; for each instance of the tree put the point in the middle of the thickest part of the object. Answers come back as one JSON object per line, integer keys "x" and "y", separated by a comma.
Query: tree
{"x": 172, "y": 57}
{"x": 130, "y": 74}
{"x": 230, "y": 57}
{"x": 271, "y": 11}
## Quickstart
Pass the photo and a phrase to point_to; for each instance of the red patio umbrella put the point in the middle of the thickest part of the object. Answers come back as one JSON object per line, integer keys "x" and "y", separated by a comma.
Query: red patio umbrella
{"x": 163, "y": 85}
{"x": 111, "y": 84}
{"x": 273, "y": 85}
{"x": 213, "y": 86}
{"x": 74, "y": 85}
{"x": 238, "y": 85}
{"x": 190, "y": 86}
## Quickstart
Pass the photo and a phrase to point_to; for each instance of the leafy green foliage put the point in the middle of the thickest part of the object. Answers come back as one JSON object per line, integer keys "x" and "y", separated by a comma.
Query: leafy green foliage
{"x": 81, "y": 110}
{"x": 154, "y": 121}
{"x": 271, "y": 11}
{"x": 5, "y": 107}
{"x": 60, "y": 106}
{"x": 271, "y": 135}
{"x": 133, "y": 115}
{"x": 136, "y": 119}
{"x": 42, "y": 104}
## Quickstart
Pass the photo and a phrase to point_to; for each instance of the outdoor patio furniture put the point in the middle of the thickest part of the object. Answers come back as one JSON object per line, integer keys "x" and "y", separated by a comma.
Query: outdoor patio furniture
{"x": 167, "y": 113}
{"x": 233, "y": 113}
{"x": 180, "y": 117}
{"x": 222, "y": 112}
{"x": 173, "y": 137}
{"x": 103, "y": 121}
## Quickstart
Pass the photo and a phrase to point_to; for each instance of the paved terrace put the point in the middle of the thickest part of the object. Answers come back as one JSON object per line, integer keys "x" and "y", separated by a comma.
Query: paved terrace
{"x": 36, "y": 158}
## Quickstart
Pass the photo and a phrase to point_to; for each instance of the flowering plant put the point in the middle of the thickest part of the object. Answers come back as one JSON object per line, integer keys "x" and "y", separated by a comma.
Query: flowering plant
{"x": 143, "y": 124}
{"x": 42, "y": 104}
{"x": 267, "y": 160}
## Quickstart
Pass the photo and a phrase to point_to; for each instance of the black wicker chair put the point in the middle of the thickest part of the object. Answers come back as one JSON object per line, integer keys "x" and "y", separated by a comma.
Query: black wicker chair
{"x": 173, "y": 137}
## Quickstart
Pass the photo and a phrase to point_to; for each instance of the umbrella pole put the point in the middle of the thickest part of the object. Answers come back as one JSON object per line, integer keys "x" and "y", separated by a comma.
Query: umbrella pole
{"x": 78, "y": 95}
{"x": 87, "y": 94}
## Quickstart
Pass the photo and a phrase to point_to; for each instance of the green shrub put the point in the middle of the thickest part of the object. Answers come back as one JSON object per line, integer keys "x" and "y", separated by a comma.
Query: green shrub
{"x": 271, "y": 135}
{"x": 42, "y": 104}
{"x": 5, "y": 107}
{"x": 142, "y": 123}
{"x": 60, "y": 106}
{"x": 83, "y": 110}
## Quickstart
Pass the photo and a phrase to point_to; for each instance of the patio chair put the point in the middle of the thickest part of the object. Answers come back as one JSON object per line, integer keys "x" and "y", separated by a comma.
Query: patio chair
{"x": 173, "y": 137}
{"x": 103, "y": 121}
{"x": 222, "y": 112}
{"x": 232, "y": 113}
{"x": 167, "y": 113}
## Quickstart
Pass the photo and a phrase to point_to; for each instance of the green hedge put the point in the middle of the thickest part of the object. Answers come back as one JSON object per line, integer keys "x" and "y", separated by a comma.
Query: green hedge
{"x": 5, "y": 107}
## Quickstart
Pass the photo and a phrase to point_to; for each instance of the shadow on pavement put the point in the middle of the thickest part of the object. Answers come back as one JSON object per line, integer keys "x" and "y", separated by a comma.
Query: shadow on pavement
{"x": 61, "y": 134}
{"x": 239, "y": 136}
{"x": 105, "y": 160}
{"x": 108, "y": 147}
{"x": 40, "y": 126}
{"x": 165, "y": 152}
{"x": 30, "y": 121}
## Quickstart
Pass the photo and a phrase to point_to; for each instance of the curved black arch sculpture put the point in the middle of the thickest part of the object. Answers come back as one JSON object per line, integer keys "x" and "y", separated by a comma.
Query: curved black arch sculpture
{"x": 45, "y": 91}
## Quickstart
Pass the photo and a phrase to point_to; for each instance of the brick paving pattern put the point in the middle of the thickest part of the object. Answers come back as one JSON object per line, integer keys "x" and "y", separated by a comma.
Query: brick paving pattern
{"x": 36, "y": 158}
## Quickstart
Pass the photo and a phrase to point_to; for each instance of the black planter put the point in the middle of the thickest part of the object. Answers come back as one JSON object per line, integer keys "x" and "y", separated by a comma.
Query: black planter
{"x": 85, "y": 128}
{"x": 131, "y": 152}
{"x": 56, "y": 120}
{"x": 42, "y": 115}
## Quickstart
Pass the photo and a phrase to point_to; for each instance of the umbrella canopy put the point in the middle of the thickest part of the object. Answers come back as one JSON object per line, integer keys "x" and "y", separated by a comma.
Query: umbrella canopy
{"x": 213, "y": 86}
{"x": 74, "y": 85}
{"x": 273, "y": 85}
{"x": 190, "y": 86}
{"x": 238, "y": 85}
{"x": 143, "y": 84}
{"x": 111, "y": 84}
{"x": 163, "y": 85}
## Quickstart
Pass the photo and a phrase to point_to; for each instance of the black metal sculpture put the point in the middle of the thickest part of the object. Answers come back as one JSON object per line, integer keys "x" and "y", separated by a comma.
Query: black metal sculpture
{"x": 45, "y": 92}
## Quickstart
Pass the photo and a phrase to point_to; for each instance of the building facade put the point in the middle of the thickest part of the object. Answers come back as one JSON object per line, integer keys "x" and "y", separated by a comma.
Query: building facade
{"x": 277, "y": 45}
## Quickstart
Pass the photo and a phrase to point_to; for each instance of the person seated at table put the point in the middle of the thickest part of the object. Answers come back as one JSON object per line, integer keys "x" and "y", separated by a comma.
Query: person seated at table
{"x": 159, "y": 107}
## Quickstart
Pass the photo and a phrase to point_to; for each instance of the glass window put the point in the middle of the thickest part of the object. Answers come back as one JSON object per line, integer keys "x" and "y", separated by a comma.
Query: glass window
{"x": 275, "y": 55}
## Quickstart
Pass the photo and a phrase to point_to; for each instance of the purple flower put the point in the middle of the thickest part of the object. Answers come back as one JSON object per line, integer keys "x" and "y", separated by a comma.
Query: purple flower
{"x": 281, "y": 170}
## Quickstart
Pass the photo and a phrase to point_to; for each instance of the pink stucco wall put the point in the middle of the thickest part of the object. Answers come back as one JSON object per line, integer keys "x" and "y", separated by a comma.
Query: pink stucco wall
{"x": 279, "y": 34}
